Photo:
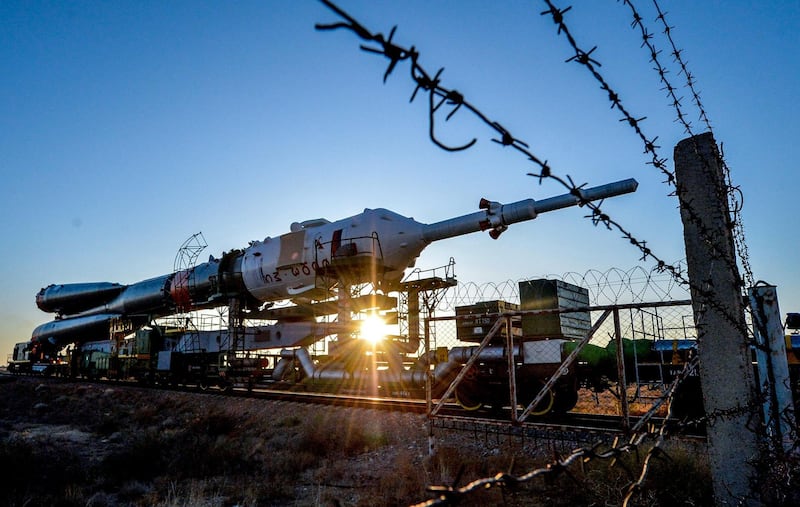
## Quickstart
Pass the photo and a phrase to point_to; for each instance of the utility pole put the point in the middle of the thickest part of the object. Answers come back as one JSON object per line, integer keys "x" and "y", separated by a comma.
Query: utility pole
{"x": 726, "y": 372}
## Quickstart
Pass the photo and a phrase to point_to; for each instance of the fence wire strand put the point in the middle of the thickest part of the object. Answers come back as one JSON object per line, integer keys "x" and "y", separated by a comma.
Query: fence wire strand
{"x": 439, "y": 96}
{"x": 646, "y": 434}
{"x": 612, "y": 286}
{"x": 451, "y": 101}
{"x": 583, "y": 58}
{"x": 645, "y": 431}
{"x": 734, "y": 192}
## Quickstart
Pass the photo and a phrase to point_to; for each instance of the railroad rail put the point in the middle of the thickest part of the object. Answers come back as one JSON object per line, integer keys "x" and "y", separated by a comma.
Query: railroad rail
{"x": 575, "y": 427}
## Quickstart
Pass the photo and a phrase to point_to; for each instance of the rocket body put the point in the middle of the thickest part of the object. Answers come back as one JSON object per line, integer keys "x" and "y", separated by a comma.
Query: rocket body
{"x": 376, "y": 244}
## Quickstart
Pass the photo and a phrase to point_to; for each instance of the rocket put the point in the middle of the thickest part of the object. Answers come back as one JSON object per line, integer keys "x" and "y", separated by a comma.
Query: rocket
{"x": 305, "y": 263}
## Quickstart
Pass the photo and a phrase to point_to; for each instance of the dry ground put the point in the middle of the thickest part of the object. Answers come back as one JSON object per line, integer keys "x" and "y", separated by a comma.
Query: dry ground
{"x": 95, "y": 445}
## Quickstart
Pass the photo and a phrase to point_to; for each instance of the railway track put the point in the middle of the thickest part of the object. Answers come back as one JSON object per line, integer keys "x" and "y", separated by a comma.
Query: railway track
{"x": 588, "y": 426}
{"x": 572, "y": 426}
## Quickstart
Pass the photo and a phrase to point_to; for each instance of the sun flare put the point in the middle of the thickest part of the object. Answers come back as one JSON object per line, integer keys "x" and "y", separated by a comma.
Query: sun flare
{"x": 373, "y": 329}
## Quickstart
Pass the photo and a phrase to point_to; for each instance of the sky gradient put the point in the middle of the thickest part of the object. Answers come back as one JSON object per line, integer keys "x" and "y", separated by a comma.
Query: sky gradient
{"x": 126, "y": 127}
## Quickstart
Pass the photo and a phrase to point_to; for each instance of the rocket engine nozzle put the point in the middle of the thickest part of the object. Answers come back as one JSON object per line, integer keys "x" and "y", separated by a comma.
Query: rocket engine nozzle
{"x": 497, "y": 231}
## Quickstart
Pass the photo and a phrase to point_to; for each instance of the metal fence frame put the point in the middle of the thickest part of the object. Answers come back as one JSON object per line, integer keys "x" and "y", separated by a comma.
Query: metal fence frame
{"x": 505, "y": 318}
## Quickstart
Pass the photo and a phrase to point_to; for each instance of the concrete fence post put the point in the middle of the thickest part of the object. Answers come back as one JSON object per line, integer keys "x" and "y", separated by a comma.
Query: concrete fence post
{"x": 726, "y": 372}
{"x": 773, "y": 367}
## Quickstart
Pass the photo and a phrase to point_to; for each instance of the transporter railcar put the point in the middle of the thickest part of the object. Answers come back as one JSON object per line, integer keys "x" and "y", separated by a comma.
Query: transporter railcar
{"x": 177, "y": 356}
{"x": 321, "y": 267}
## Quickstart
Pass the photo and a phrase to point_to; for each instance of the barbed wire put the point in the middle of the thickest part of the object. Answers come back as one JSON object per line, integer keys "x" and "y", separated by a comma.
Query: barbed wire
{"x": 438, "y": 96}
{"x": 612, "y": 286}
{"x": 583, "y": 57}
{"x": 731, "y": 192}
{"x": 642, "y": 432}
{"x": 734, "y": 192}
{"x": 728, "y": 192}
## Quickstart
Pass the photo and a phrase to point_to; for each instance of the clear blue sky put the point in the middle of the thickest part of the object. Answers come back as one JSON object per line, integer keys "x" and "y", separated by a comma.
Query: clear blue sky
{"x": 125, "y": 127}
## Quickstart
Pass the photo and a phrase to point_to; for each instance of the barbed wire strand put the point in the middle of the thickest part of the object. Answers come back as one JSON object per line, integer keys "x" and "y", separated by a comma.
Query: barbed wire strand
{"x": 583, "y": 57}
{"x": 433, "y": 86}
{"x": 731, "y": 193}
{"x": 644, "y": 431}
{"x": 609, "y": 287}
{"x": 439, "y": 96}
{"x": 734, "y": 192}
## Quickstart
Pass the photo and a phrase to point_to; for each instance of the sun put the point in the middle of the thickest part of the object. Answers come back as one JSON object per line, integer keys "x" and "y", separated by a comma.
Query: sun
{"x": 373, "y": 329}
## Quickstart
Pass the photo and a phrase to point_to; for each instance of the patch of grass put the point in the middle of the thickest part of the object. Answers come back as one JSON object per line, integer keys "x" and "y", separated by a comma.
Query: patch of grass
{"x": 40, "y": 473}
{"x": 781, "y": 479}
{"x": 180, "y": 449}
{"x": 142, "y": 458}
{"x": 405, "y": 485}
{"x": 291, "y": 421}
{"x": 325, "y": 436}
{"x": 214, "y": 424}
{"x": 108, "y": 425}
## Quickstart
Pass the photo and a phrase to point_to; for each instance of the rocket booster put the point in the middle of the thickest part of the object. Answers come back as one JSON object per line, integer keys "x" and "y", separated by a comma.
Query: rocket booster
{"x": 314, "y": 252}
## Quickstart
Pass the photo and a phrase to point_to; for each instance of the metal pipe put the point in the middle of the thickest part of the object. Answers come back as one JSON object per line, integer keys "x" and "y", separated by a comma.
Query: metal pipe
{"x": 622, "y": 382}
{"x": 305, "y": 361}
{"x": 463, "y": 354}
{"x": 280, "y": 369}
